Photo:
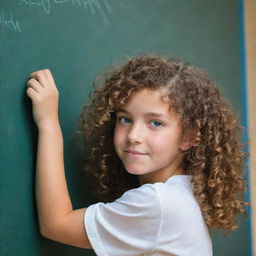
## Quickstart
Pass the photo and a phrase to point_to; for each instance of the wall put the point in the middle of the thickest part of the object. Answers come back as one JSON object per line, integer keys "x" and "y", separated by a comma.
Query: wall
{"x": 78, "y": 40}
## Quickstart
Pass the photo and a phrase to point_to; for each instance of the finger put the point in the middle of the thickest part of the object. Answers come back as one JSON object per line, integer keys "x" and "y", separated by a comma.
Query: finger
{"x": 42, "y": 77}
{"x": 31, "y": 93}
{"x": 34, "y": 84}
{"x": 34, "y": 74}
{"x": 49, "y": 75}
{"x": 37, "y": 73}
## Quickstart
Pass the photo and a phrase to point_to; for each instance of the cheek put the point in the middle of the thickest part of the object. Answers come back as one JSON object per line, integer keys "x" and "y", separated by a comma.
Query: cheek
{"x": 118, "y": 136}
{"x": 166, "y": 143}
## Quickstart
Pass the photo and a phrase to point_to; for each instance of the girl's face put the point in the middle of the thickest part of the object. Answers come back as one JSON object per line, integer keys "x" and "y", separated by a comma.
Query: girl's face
{"x": 148, "y": 138}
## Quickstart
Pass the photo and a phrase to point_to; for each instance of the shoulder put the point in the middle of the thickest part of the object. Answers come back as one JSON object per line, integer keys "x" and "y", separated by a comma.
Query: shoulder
{"x": 177, "y": 199}
{"x": 174, "y": 193}
{"x": 140, "y": 194}
{"x": 128, "y": 225}
{"x": 139, "y": 202}
{"x": 144, "y": 200}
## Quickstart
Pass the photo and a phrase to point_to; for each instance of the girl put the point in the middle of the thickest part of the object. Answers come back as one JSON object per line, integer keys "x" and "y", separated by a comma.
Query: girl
{"x": 165, "y": 155}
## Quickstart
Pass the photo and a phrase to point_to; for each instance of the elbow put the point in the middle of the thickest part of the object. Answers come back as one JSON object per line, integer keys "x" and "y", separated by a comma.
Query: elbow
{"x": 46, "y": 231}
{"x": 43, "y": 231}
{"x": 51, "y": 231}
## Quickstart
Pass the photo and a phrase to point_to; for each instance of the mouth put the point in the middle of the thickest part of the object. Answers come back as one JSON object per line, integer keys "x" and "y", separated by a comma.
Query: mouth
{"x": 132, "y": 152}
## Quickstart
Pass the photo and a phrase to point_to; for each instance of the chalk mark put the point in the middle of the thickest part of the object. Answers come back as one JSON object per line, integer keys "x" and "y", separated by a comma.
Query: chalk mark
{"x": 9, "y": 23}
{"x": 92, "y": 5}
{"x": 44, "y": 3}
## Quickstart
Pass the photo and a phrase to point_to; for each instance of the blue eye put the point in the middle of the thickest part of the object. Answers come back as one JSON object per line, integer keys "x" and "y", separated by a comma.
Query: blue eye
{"x": 156, "y": 123}
{"x": 124, "y": 120}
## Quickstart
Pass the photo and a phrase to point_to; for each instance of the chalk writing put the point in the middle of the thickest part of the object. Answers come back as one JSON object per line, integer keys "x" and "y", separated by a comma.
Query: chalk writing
{"x": 9, "y": 22}
{"x": 92, "y": 5}
{"x": 45, "y": 4}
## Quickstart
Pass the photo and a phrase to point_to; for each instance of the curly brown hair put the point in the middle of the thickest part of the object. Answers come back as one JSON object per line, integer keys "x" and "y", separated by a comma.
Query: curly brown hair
{"x": 216, "y": 159}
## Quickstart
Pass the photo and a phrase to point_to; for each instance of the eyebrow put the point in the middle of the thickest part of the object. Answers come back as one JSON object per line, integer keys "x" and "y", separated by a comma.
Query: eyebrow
{"x": 149, "y": 114}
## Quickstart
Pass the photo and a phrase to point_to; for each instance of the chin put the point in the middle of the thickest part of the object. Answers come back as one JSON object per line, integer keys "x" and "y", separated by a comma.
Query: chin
{"x": 135, "y": 171}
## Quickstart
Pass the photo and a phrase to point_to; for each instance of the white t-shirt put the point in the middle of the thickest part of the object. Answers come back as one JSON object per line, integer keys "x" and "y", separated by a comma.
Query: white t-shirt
{"x": 154, "y": 219}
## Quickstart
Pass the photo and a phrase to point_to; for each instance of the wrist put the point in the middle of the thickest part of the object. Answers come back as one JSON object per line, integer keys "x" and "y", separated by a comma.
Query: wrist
{"x": 48, "y": 125}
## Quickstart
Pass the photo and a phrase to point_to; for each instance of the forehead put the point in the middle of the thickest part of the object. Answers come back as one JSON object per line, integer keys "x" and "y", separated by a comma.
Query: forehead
{"x": 148, "y": 101}
{"x": 158, "y": 96}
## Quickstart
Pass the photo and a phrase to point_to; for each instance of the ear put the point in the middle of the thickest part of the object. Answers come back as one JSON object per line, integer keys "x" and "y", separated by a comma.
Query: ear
{"x": 186, "y": 146}
{"x": 187, "y": 142}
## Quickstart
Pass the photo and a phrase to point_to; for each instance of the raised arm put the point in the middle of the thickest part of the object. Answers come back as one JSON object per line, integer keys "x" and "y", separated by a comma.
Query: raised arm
{"x": 57, "y": 219}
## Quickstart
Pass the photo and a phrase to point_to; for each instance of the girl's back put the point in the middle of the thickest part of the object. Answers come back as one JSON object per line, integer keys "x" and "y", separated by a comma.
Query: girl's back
{"x": 160, "y": 219}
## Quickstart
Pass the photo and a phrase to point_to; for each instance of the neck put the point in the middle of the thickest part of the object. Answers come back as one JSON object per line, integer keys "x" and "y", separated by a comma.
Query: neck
{"x": 160, "y": 175}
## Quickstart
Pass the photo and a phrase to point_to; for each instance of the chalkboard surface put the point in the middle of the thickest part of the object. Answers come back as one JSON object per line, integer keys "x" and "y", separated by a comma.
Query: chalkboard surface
{"x": 78, "y": 40}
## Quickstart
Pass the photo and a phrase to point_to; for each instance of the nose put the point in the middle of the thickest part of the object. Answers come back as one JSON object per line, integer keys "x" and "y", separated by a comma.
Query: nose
{"x": 136, "y": 134}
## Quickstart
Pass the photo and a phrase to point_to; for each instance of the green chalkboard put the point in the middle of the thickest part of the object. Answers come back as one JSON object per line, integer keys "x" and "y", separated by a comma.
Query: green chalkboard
{"x": 78, "y": 40}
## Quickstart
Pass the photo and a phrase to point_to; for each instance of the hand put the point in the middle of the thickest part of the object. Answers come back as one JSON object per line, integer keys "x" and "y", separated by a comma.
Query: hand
{"x": 44, "y": 95}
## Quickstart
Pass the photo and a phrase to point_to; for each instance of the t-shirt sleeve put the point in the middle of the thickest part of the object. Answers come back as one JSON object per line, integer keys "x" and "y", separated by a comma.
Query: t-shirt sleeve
{"x": 127, "y": 226}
